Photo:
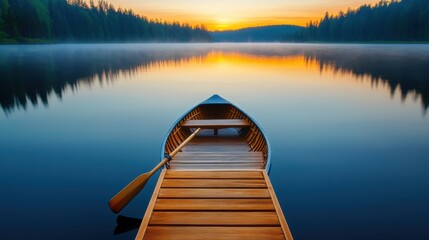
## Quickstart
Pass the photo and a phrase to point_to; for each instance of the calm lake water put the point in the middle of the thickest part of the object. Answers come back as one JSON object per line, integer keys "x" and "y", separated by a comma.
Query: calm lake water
{"x": 347, "y": 124}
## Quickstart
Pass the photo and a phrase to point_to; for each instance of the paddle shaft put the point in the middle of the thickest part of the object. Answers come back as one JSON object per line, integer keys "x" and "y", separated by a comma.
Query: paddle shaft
{"x": 173, "y": 153}
{"x": 122, "y": 198}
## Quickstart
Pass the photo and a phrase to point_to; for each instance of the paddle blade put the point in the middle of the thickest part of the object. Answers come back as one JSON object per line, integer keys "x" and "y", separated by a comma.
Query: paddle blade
{"x": 122, "y": 198}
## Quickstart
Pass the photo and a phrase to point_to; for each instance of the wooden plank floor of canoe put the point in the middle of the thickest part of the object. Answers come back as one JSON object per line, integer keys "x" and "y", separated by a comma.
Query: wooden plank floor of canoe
{"x": 217, "y": 160}
{"x": 228, "y": 150}
{"x": 221, "y": 204}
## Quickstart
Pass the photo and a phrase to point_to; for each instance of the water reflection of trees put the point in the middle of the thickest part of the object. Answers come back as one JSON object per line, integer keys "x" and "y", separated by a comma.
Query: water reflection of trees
{"x": 400, "y": 67}
{"x": 407, "y": 73}
{"x": 32, "y": 74}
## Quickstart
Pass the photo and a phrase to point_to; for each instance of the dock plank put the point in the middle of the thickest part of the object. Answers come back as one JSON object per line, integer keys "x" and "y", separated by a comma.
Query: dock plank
{"x": 215, "y": 204}
{"x": 213, "y": 193}
{"x": 214, "y": 183}
{"x": 215, "y": 218}
{"x": 214, "y": 233}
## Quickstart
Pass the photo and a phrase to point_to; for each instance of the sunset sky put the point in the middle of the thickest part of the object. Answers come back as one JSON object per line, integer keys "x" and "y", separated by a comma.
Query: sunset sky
{"x": 227, "y": 14}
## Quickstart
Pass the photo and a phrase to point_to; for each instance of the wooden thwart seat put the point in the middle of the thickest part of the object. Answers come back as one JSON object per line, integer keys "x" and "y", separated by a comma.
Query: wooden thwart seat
{"x": 216, "y": 124}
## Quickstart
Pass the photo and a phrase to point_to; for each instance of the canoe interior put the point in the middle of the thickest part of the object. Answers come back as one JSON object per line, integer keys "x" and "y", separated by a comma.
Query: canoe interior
{"x": 210, "y": 147}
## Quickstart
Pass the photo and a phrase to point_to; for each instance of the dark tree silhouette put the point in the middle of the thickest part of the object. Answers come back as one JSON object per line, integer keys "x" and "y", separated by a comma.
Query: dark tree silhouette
{"x": 77, "y": 20}
{"x": 406, "y": 20}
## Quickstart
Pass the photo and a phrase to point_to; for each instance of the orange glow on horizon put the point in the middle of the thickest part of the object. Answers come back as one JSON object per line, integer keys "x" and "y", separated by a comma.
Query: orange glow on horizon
{"x": 224, "y": 24}
{"x": 226, "y": 15}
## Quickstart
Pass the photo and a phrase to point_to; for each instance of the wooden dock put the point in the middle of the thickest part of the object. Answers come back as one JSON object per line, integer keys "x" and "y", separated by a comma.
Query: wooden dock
{"x": 216, "y": 188}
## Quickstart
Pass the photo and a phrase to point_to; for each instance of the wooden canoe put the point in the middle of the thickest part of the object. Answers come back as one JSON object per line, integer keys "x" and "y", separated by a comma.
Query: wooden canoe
{"x": 226, "y": 130}
{"x": 217, "y": 186}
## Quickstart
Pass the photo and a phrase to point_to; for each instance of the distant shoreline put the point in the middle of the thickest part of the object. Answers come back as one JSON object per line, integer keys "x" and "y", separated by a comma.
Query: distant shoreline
{"x": 47, "y": 42}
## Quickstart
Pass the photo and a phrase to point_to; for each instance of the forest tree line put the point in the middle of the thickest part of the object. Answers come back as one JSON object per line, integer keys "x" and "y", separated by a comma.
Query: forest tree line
{"x": 78, "y": 20}
{"x": 406, "y": 20}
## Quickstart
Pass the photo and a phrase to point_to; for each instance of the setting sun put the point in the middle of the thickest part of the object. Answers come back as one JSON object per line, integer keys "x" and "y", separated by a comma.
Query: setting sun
{"x": 223, "y": 24}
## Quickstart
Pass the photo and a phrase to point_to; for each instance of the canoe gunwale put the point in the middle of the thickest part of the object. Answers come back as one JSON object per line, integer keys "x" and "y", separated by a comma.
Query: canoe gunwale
{"x": 261, "y": 130}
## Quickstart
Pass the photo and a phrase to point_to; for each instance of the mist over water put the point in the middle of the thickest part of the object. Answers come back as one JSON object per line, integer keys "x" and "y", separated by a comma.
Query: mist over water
{"x": 347, "y": 124}
{"x": 51, "y": 69}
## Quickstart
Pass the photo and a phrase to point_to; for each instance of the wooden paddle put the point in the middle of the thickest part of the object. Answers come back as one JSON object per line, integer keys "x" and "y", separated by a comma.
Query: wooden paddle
{"x": 122, "y": 198}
